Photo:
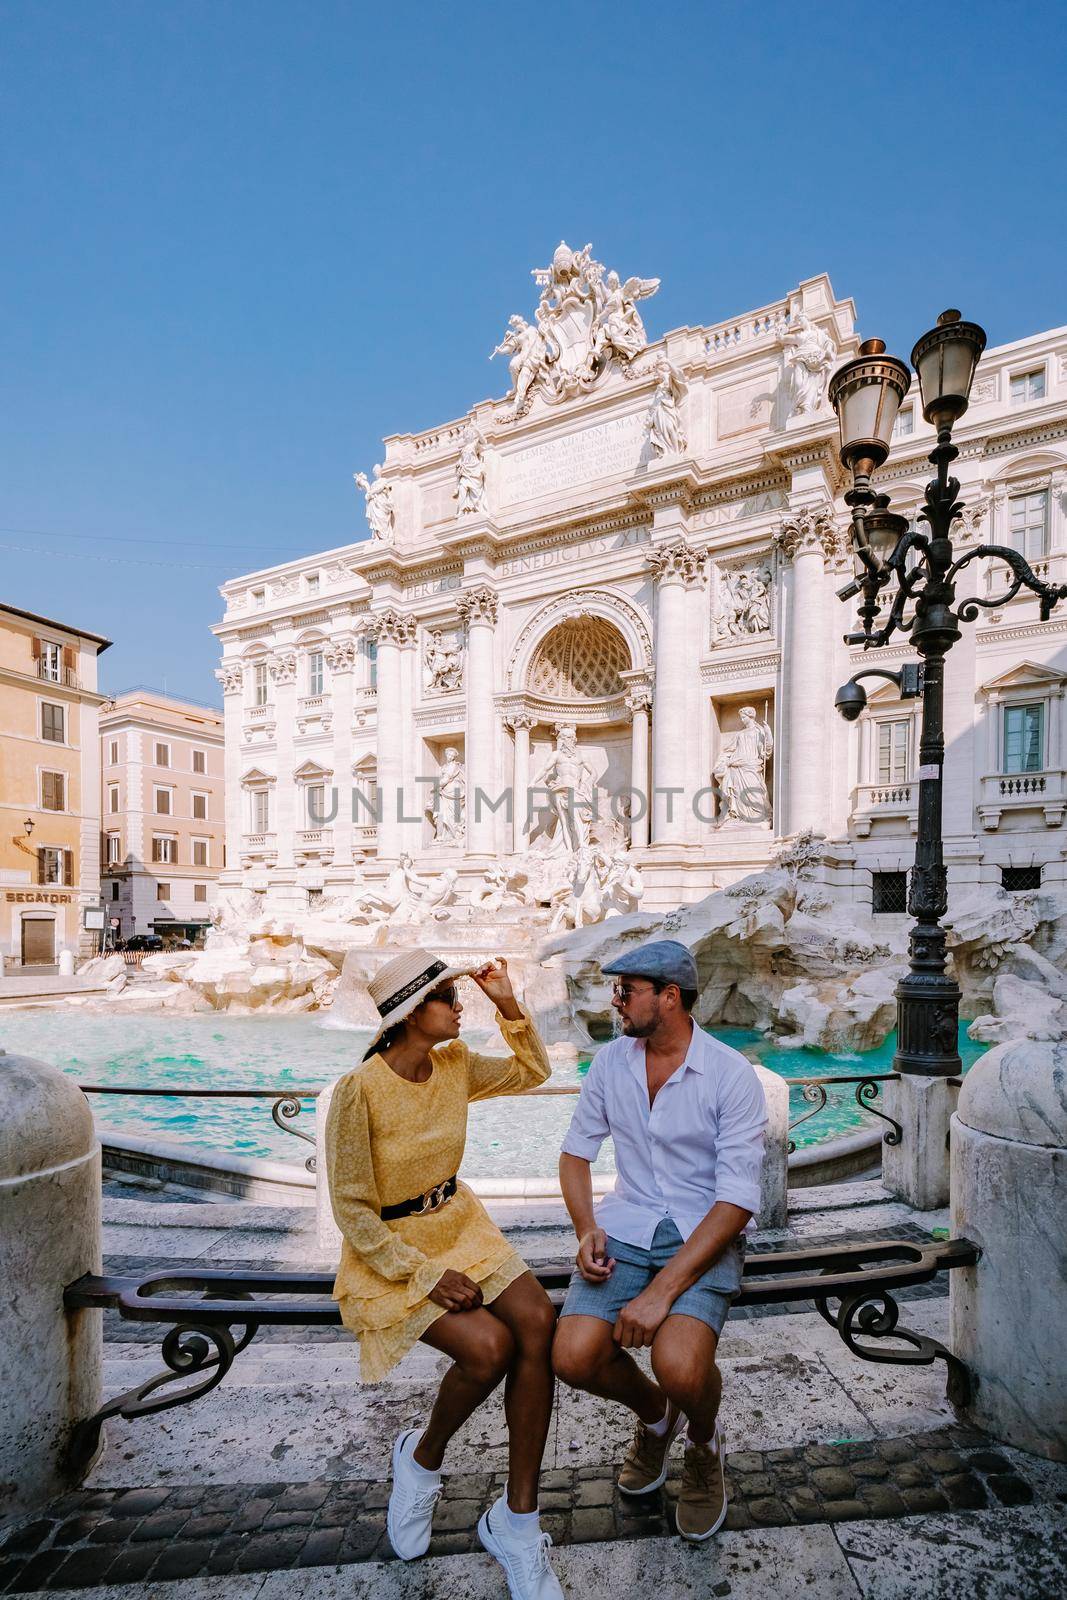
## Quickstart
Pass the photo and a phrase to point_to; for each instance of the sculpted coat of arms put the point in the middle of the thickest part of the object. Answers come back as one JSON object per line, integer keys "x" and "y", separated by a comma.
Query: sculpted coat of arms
{"x": 585, "y": 319}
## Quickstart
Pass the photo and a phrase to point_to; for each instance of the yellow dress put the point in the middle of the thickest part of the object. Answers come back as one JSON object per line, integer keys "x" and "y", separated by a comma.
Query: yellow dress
{"x": 389, "y": 1140}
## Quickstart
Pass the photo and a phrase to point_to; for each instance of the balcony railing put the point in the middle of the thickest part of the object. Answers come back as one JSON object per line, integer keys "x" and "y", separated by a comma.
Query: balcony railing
{"x": 65, "y": 677}
{"x": 1023, "y": 791}
{"x": 258, "y": 713}
{"x": 315, "y": 842}
{"x": 259, "y": 844}
{"x": 873, "y": 800}
{"x": 313, "y": 705}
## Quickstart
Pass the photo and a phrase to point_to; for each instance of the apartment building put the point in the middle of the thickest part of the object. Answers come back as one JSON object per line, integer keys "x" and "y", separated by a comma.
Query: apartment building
{"x": 49, "y": 786}
{"x": 163, "y": 829}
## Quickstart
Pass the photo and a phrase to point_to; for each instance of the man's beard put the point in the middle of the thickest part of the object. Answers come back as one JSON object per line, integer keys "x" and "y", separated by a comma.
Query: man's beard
{"x": 638, "y": 1030}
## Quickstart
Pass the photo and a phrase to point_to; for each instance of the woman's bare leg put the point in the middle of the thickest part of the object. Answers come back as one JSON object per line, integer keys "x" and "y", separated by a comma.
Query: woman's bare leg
{"x": 526, "y": 1312}
{"x": 482, "y": 1351}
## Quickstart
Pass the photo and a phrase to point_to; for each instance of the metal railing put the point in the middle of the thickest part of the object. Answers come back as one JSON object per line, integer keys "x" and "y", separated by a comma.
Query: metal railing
{"x": 815, "y": 1092}
{"x": 287, "y": 1103}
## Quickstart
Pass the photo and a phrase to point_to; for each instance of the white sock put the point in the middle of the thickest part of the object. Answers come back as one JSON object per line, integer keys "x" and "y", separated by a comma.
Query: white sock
{"x": 523, "y": 1524}
{"x": 407, "y": 1451}
{"x": 659, "y": 1428}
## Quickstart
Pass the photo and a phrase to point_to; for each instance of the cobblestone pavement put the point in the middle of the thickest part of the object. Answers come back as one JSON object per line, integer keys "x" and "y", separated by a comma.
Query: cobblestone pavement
{"x": 132, "y": 1535}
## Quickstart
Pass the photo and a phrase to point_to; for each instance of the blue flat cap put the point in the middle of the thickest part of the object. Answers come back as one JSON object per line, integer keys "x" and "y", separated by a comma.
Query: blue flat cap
{"x": 663, "y": 959}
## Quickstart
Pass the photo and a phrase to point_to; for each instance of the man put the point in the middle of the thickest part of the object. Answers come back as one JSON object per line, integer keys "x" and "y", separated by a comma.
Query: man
{"x": 661, "y": 1262}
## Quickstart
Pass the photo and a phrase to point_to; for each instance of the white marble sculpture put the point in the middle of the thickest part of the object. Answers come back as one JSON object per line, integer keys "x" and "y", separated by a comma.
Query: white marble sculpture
{"x": 380, "y": 513}
{"x": 500, "y": 886}
{"x": 400, "y": 898}
{"x": 583, "y": 321}
{"x": 469, "y": 492}
{"x": 809, "y": 355}
{"x": 443, "y": 660}
{"x": 580, "y": 901}
{"x": 445, "y": 812}
{"x": 621, "y": 884}
{"x": 570, "y": 783}
{"x": 744, "y": 603}
{"x": 741, "y": 771}
{"x": 664, "y": 425}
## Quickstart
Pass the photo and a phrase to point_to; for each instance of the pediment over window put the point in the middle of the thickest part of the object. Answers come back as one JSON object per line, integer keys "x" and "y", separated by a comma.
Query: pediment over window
{"x": 255, "y": 778}
{"x": 312, "y": 772}
{"x": 1027, "y": 675}
{"x": 366, "y": 765}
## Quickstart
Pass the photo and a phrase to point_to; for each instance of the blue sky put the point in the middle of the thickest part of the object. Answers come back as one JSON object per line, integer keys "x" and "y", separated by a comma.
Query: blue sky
{"x": 246, "y": 239}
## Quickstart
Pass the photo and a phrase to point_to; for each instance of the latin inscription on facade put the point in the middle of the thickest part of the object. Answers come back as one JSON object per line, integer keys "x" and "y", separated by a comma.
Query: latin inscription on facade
{"x": 564, "y": 554}
{"x": 606, "y": 450}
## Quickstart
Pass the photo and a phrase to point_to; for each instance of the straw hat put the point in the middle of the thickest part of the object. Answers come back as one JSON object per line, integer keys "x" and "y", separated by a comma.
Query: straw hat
{"x": 404, "y": 983}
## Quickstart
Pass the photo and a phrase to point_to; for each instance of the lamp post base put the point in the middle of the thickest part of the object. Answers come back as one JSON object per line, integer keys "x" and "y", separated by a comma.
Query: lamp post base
{"x": 928, "y": 1012}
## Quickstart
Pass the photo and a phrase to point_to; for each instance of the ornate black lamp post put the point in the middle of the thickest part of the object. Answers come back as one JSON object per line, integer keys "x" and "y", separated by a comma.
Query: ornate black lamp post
{"x": 921, "y": 566}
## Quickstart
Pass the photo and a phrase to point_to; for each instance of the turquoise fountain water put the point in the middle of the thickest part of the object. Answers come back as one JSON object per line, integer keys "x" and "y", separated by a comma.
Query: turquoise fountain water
{"x": 285, "y": 1052}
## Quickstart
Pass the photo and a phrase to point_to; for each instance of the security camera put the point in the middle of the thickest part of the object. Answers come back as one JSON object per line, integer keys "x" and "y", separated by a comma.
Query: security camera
{"x": 851, "y": 699}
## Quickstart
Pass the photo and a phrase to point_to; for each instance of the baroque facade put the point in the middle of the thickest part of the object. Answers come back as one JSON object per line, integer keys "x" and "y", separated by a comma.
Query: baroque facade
{"x": 620, "y": 581}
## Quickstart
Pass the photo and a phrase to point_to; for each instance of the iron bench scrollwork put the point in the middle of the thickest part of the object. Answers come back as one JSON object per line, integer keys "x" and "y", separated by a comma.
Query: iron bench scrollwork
{"x": 212, "y": 1315}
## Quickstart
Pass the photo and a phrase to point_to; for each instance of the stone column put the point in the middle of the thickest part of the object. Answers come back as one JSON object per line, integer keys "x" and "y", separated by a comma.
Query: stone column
{"x": 50, "y": 1358}
{"x": 638, "y": 703}
{"x": 416, "y": 796}
{"x": 520, "y": 722}
{"x": 340, "y": 656}
{"x": 808, "y": 541}
{"x": 282, "y": 667}
{"x": 390, "y": 627}
{"x": 676, "y": 567}
{"x": 774, "y": 1181}
{"x": 478, "y": 608}
{"x": 231, "y": 676}
{"x": 1009, "y": 1196}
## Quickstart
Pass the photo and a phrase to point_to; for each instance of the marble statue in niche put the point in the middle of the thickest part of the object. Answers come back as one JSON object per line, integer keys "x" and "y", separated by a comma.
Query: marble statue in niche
{"x": 445, "y": 812}
{"x": 379, "y": 496}
{"x": 741, "y": 771}
{"x": 570, "y": 783}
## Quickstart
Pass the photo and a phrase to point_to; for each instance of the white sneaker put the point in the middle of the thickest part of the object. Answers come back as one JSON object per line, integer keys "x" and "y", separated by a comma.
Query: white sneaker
{"x": 414, "y": 1495}
{"x": 525, "y": 1561}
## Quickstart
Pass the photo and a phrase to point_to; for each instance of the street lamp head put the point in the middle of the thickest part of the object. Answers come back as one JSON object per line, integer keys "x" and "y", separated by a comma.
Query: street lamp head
{"x": 945, "y": 359}
{"x": 29, "y": 826}
{"x": 879, "y": 529}
{"x": 866, "y": 394}
{"x": 851, "y": 699}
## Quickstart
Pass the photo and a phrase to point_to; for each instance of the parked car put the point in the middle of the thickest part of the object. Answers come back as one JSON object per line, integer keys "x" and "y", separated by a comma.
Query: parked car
{"x": 142, "y": 941}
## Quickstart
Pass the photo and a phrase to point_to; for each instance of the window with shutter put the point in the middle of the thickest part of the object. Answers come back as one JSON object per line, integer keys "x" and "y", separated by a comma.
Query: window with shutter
{"x": 53, "y": 791}
{"x": 68, "y": 868}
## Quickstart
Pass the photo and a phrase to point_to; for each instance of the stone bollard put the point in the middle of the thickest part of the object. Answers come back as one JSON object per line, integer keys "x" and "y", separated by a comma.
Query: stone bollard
{"x": 1009, "y": 1195}
{"x": 3, "y": 973}
{"x": 66, "y": 963}
{"x": 50, "y": 1359}
{"x": 774, "y": 1200}
{"x": 917, "y": 1169}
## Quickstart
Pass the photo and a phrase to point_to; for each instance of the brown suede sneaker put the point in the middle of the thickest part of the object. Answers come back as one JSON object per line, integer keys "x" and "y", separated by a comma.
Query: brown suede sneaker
{"x": 701, "y": 1507}
{"x": 645, "y": 1466}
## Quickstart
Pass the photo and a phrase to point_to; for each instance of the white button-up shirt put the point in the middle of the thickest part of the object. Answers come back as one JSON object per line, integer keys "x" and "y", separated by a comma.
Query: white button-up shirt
{"x": 701, "y": 1141}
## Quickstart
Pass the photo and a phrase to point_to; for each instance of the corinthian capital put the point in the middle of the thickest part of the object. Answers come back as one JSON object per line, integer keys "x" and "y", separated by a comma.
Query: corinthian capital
{"x": 806, "y": 530}
{"x": 340, "y": 655}
{"x": 478, "y": 605}
{"x": 639, "y": 698}
{"x": 392, "y": 627}
{"x": 231, "y": 676}
{"x": 677, "y": 562}
{"x": 282, "y": 667}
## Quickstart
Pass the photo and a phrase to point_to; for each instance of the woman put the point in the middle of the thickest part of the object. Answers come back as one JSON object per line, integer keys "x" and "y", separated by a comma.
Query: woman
{"x": 421, "y": 1260}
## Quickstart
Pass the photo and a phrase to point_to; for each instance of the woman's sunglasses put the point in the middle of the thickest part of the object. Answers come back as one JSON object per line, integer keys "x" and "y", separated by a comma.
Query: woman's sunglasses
{"x": 449, "y": 995}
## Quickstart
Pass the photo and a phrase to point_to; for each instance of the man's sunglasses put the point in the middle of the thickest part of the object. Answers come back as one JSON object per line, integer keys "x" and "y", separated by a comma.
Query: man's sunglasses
{"x": 626, "y": 991}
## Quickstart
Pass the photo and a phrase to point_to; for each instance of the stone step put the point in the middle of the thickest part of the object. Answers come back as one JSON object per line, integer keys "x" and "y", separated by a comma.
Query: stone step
{"x": 296, "y": 1413}
{"x": 1000, "y": 1553}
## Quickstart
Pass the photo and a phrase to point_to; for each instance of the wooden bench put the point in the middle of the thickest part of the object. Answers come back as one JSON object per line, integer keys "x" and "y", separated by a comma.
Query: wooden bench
{"x": 210, "y": 1316}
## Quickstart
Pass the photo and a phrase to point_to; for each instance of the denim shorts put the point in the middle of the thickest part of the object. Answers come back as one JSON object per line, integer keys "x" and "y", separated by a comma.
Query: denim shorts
{"x": 709, "y": 1299}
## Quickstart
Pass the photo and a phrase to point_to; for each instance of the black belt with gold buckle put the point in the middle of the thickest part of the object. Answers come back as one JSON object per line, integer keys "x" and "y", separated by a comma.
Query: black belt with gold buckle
{"x": 423, "y": 1204}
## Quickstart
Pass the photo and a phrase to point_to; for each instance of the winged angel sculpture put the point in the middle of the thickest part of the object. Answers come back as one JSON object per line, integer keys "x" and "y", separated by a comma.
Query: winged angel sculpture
{"x": 584, "y": 320}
